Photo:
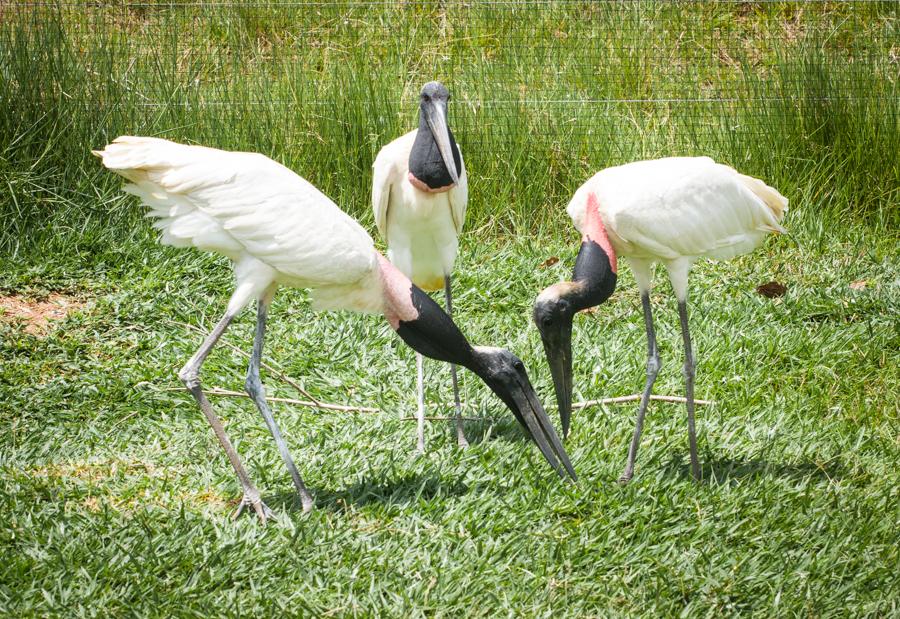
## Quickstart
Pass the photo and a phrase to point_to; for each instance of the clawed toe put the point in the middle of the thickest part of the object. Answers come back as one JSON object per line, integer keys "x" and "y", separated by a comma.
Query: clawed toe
{"x": 253, "y": 501}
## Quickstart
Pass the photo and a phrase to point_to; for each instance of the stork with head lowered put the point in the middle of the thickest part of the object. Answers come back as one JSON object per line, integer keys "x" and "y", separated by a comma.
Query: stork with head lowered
{"x": 674, "y": 211}
{"x": 279, "y": 230}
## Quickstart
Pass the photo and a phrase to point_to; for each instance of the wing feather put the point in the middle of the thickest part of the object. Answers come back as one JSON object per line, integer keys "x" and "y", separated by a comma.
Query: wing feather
{"x": 681, "y": 207}
{"x": 234, "y": 202}
{"x": 388, "y": 170}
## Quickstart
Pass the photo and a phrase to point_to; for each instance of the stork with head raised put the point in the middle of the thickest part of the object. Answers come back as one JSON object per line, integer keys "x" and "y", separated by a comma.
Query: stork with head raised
{"x": 279, "y": 230}
{"x": 674, "y": 211}
{"x": 419, "y": 195}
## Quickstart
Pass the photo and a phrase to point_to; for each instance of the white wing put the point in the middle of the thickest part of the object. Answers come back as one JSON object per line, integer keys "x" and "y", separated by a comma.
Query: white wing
{"x": 459, "y": 197}
{"x": 681, "y": 207}
{"x": 389, "y": 170}
{"x": 238, "y": 203}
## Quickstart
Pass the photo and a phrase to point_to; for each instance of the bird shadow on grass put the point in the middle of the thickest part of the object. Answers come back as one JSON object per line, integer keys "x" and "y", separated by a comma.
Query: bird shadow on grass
{"x": 730, "y": 471}
{"x": 401, "y": 490}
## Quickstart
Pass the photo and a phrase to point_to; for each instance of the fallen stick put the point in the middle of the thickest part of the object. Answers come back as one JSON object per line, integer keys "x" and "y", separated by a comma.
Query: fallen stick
{"x": 240, "y": 394}
{"x": 278, "y": 373}
{"x": 366, "y": 409}
{"x": 443, "y": 418}
{"x": 636, "y": 397}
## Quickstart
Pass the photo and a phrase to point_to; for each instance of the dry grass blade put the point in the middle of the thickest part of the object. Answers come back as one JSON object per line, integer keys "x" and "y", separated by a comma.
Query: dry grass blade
{"x": 636, "y": 397}
{"x": 325, "y": 405}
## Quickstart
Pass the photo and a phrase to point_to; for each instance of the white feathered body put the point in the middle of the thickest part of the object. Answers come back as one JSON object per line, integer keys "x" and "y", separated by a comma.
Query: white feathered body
{"x": 421, "y": 228}
{"x": 678, "y": 209}
{"x": 275, "y": 226}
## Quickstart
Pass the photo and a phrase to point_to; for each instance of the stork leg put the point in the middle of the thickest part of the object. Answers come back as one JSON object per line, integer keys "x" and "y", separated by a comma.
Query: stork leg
{"x": 460, "y": 435}
{"x": 689, "y": 372}
{"x": 257, "y": 392}
{"x": 190, "y": 376}
{"x": 420, "y": 396}
{"x": 653, "y": 365}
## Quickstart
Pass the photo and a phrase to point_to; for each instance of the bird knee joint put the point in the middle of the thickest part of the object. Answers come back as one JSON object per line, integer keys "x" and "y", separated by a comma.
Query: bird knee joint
{"x": 253, "y": 385}
{"x": 689, "y": 370}
{"x": 653, "y": 365}
{"x": 189, "y": 376}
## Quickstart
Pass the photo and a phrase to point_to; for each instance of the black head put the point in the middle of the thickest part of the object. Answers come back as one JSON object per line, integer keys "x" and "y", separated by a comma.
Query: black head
{"x": 434, "y": 160}
{"x": 553, "y": 313}
{"x": 434, "y": 91}
{"x": 427, "y": 329}
{"x": 505, "y": 374}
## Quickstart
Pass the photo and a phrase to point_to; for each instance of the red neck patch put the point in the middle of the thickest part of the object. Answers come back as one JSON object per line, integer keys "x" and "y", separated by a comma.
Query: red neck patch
{"x": 421, "y": 186}
{"x": 595, "y": 231}
{"x": 397, "y": 290}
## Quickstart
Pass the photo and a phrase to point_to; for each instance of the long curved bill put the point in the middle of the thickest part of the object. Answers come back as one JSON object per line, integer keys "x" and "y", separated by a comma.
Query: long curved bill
{"x": 558, "y": 349}
{"x": 436, "y": 117}
{"x": 541, "y": 429}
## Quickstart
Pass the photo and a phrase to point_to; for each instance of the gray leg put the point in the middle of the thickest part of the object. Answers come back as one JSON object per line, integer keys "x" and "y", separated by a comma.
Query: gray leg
{"x": 257, "y": 392}
{"x": 689, "y": 371}
{"x": 653, "y": 365}
{"x": 190, "y": 376}
{"x": 420, "y": 413}
{"x": 460, "y": 436}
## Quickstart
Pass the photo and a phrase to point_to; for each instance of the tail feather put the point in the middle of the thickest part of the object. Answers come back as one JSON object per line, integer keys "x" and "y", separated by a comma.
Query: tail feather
{"x": 161, "y": 175}
{"x": 770, "y": 196}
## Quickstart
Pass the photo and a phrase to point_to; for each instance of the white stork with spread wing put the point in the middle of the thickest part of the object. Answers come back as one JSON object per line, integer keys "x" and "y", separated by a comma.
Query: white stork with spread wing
{"x": 279, "y": 230}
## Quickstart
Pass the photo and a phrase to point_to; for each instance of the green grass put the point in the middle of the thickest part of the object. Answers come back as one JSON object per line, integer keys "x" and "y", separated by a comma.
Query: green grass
{"x": 114, "y": 493}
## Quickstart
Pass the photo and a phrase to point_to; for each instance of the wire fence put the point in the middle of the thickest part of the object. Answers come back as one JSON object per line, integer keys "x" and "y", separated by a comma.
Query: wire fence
{"x": 549, "y": 90}
{"x": 490, "y": 52}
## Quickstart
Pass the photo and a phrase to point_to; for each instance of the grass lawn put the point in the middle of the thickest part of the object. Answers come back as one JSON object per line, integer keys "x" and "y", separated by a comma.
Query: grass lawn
{"x": 114, "y": 494}
{"x": 117, "y": 496}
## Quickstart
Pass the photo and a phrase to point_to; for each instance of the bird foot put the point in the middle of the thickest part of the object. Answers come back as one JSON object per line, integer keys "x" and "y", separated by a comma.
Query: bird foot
{"x": 252, "y": 500}
{"x": 625, "y": 478}
{"x": 461, "y": 442}
{"x": 307, "y": 504}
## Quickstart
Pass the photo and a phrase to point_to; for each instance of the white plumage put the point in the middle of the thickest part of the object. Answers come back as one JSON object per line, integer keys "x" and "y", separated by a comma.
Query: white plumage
{"x": 276, "y": 226}
{"x": 674, "y": 211}
{"x": 421, "y": 228}
{"x": 678, "y": 209}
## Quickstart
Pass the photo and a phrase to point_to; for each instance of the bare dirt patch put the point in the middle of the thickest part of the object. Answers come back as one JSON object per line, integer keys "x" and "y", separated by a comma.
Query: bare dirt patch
{"x": 37, "y": 316}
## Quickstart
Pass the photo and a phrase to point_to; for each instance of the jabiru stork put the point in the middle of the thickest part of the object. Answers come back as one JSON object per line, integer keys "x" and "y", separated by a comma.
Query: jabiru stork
{"x": 675, "y": 211}
{"x": 419, "y": 196}
{"x": 279, "y": 230}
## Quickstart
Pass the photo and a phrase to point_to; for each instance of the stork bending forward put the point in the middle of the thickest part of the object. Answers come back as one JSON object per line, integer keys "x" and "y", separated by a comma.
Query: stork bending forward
{"x": 675, "y": 211}
{"x": 279, "y": 230}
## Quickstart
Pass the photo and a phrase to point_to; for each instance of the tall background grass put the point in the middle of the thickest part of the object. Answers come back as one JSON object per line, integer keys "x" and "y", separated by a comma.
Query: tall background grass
{"x": 804, "y": 94}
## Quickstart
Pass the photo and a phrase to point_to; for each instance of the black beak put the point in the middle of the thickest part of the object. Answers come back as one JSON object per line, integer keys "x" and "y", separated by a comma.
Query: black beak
{"x": 436, "y": 117}
{"x": 558, "y": 348}
{"x": 523, "y": 401}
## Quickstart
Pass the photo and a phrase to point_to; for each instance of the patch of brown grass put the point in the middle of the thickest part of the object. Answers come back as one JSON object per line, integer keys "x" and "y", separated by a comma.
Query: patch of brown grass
{"x": 146, "y": 485}
{"x": 37, "y": 316}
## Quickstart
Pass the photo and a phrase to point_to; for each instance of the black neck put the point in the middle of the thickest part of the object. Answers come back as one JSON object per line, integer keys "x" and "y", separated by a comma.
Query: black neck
{"x": 434, "y": 334}
{"x": 425, "y": 161}
{"x": 594, "y": 272}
